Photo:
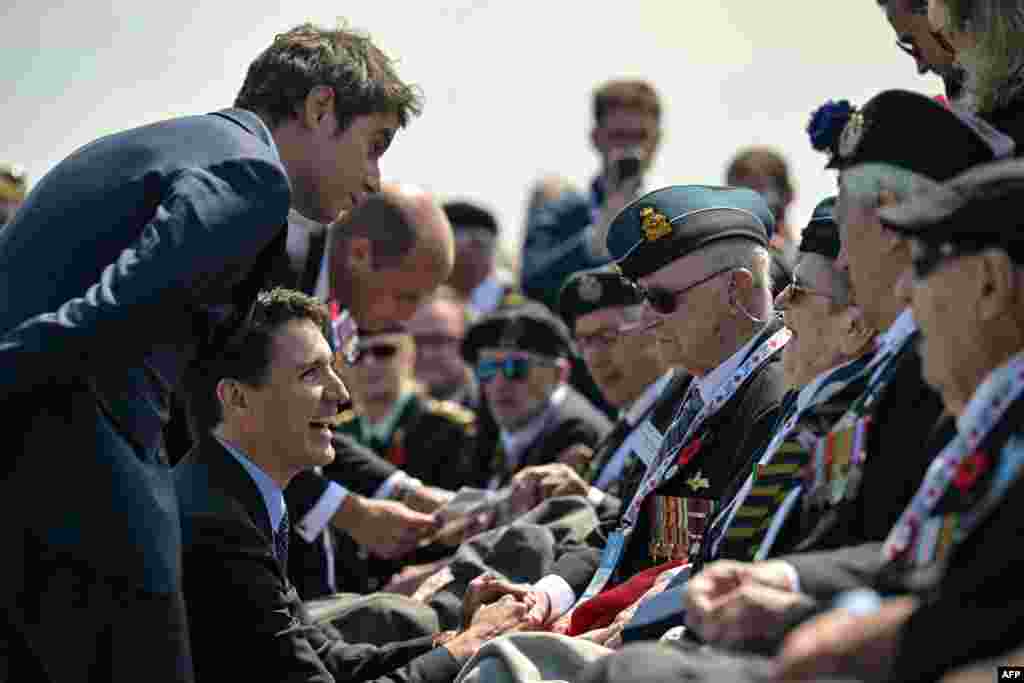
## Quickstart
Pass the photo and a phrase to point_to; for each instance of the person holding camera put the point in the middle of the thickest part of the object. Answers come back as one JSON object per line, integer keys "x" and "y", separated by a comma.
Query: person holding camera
{"x": 567, "y": 233}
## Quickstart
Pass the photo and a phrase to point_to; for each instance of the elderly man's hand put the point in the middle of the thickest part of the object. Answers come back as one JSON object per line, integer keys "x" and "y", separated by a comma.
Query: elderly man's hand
{"x": 841, "y": 643}
{"x": 386, "y": 528}
{"x": 733, "y": 602}
{"x": 552, "y": 480}
{"x": 487, "y": 588}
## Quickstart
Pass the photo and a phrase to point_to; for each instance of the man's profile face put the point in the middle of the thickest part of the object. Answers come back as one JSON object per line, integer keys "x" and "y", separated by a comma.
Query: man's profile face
{"x": 621, "y": 359}
{"x": 384, "y": 297}
{"x": 914, "y": 34}
{"x": 622, "y": 129}
{"x": 866, "y": 254}
{"x": 514, "y": 402}
{"x": 474, "y": 256}
{"x": 345, "y": 168}
{"x": 438, "y": 328}
{"x": 293, "y": 408}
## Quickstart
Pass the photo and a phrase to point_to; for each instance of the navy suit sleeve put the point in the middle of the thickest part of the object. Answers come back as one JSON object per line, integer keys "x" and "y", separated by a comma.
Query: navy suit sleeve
{"x": 211, "y": 222}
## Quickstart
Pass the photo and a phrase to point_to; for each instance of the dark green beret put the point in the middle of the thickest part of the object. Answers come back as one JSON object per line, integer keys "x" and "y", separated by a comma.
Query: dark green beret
{"x": 919, "y": 134}
{"x": 821, "y": 236}
{"x": 591, "y": 290}
{"x": 667, "y": 224}
{"x": 981, "y": 208}
{"x": 521, "y": 324}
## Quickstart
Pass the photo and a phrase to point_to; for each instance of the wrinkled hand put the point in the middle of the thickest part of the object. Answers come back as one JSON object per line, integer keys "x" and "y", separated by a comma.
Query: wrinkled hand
{"x": 732, "y": 602}
{"x": 840, "y": 643}
{"x": 556, "y": 479}
{"x": 577, "y": 456}
{"x": 489, "y": 622}
{"x": 428, "y": 499}
{"x": 486, "y": 588}
{"x": 386, "y": 528}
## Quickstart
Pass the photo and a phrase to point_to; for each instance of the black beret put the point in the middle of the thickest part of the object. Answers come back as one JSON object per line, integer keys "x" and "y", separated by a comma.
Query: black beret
{"x": 667, "y": 224}
{"x": 917, "y": 133}
{"x": 591, "y": 290}
{"x": 981, "y": 208}
{"x": 821, "y": 236}
{"x": 519, "y": 323}
{"x": 467, "y": 214}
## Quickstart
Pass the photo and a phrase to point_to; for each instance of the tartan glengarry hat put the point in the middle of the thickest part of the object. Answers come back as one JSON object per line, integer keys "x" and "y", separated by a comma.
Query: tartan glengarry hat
{"x": 981, "y": 208}
{"x": 521, "y": 324}
{"x": 592, "y": 290}
{"x": 667, "y": 224}
{"x": 821, "y": 236}
{"x": 908, "y": 130}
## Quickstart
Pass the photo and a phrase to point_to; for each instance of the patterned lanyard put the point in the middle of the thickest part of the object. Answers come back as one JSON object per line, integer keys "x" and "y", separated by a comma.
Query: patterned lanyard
{"x": 919, "y": 535}
{"x": 656, "y": 472}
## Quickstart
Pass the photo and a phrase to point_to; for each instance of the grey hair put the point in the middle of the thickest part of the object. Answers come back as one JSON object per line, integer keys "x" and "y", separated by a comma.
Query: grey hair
{"x": 741, "y": 253}
{"x": 865, "y": 183}
{"x": 994, "y": 66}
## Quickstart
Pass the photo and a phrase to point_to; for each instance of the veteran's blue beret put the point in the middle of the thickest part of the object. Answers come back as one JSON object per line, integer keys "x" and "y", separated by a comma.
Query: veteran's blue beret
{"x": 821, "y": 236}
{"x": 667, "y": 224}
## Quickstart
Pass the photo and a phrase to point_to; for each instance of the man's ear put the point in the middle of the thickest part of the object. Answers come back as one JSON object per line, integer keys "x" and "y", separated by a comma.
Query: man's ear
{"x": 360, "y": 255}
{"x": 856, "y": 333}
{"x": 318, "y": 107}
{"x": 232, "y": 397}
{"x": 996, "y": 280}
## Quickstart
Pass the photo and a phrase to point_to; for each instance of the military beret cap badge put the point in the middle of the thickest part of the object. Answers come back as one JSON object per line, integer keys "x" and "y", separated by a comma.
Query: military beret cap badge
{"x": 655, "y": 224}
{"x": 590, "y": 289}
{"x": 852, "y": 134}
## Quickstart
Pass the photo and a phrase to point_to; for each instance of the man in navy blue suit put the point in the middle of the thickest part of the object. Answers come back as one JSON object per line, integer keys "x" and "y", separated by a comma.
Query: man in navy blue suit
{"x": 109, "y": 277}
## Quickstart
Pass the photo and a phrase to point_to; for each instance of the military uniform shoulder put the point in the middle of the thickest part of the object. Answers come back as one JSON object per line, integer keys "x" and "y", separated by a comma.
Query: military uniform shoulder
{"x": 454, "y": 412}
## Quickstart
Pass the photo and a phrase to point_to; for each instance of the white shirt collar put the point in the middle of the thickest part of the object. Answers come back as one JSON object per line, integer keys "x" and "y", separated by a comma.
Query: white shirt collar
{"x": 516, "y": 442}
{"x": 273, "y": 497}
{"x": 709, "y": 383}
{"x": 901, "y": 328}
{"x": 647, "y": 399}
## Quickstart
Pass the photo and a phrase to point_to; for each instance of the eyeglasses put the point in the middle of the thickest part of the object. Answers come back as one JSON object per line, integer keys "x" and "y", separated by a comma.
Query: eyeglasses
{"x": 909, "y": 47}
{"x": 795, "y": 291}
{"x": 591, "y": 343}
{"x": 379, "y": 351}
{"x": 926, "y": 258}
{"x": 435, "y": 340}
{"x": 665, "y": 301}
{"x": 512, "y": 367}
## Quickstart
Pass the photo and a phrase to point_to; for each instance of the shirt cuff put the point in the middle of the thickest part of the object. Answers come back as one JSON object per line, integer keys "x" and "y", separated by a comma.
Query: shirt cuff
{"x": 310, "y": 526}
{"x": 396, "y": 482}
{"x": 595, "y": 496}
{"x": 559, "y": 592}
{"x": 794, "y": 577}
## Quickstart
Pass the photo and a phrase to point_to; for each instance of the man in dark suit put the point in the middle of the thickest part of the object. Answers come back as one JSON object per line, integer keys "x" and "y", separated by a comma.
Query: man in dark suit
{"x": 521, "y": 355}
{"x": 263, "y": 394}
{"x": 108, "y": 267}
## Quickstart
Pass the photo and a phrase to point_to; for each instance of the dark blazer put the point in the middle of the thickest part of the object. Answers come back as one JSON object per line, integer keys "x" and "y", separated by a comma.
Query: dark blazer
{"x": 901, "y": 443}
{"x": 575, "y": 421}
{"x": 107, "y": 268}
{"x": 730, "y": 439}
{"x": 240, "y": 600}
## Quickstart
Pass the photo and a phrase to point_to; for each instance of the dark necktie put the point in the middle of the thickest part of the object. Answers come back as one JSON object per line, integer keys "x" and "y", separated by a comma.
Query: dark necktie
{"x": 281, "y": 540}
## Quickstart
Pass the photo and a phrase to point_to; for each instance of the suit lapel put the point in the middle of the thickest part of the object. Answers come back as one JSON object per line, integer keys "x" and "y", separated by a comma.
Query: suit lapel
{"x": 229, "y": 477}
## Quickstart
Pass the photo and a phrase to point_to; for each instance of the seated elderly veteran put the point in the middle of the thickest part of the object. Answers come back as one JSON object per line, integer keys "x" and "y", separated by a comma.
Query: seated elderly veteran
{"x": 264, "y": 393}
{"x": 603, "y": 309}
{"x": 826, "y": 366}
{"x": 947, "y": 578}
{"x": 700, "y": 254}
{"x": 520, "y": 353}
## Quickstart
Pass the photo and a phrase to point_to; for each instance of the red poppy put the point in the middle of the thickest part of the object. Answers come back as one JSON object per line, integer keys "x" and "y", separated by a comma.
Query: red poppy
{"x": 686, "y": 454}
{"x": 970, "y": 470}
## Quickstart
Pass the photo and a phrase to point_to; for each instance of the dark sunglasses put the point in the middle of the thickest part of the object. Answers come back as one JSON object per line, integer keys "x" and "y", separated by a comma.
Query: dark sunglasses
{"x": 665, "y": 301}
{"x": 513, "y": 368}
{"x": 379, "y": 351}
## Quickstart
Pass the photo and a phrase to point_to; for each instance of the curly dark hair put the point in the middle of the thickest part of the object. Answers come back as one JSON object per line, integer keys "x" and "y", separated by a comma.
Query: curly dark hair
{"x": 362, "y": 76}
{"x": 239, "y": 348}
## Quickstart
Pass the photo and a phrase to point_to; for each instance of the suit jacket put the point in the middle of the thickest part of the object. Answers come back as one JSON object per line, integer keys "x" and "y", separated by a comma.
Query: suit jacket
{"x": 240, "y": 600}
{"x": 728, "y": 441}
{"x": 106, "y": 272}
{"x": 574, "y": 421}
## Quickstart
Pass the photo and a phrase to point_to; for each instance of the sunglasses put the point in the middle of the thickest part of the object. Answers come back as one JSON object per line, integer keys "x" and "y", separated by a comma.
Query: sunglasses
{"x": 380, "y": 352}
{"x": 512, "y": 367}
{"x": 665, "y": 301}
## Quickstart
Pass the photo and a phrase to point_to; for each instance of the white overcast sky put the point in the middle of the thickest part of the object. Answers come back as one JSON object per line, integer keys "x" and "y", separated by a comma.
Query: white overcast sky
{"x": 507, "y": 83}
